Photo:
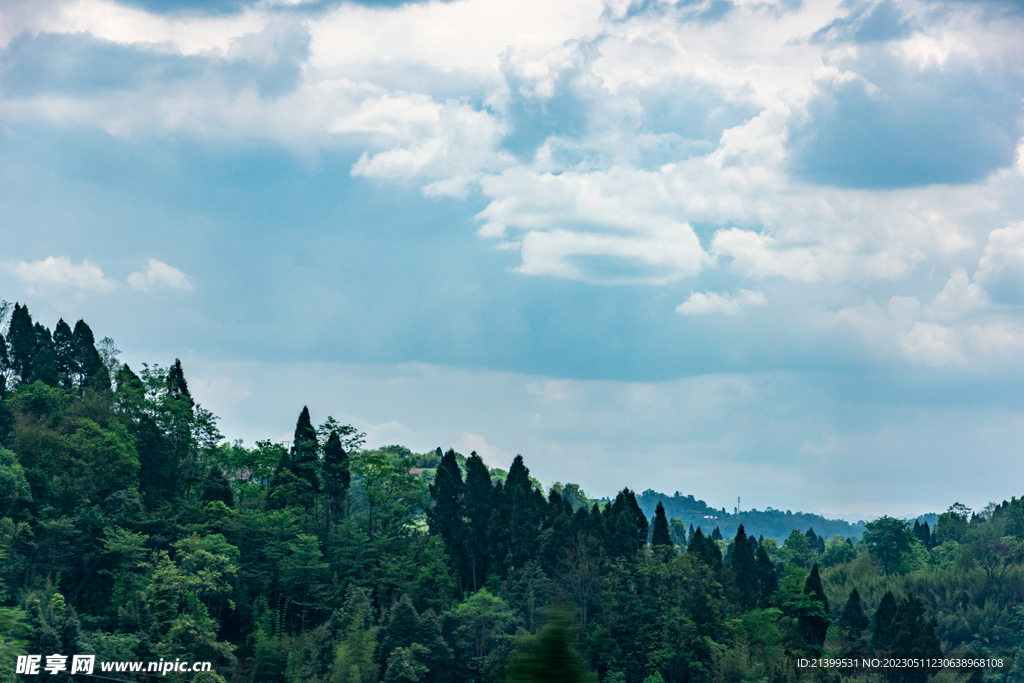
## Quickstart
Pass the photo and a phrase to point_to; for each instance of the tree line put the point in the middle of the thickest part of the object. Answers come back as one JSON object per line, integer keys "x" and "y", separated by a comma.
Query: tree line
{"x": 131, "y": 529}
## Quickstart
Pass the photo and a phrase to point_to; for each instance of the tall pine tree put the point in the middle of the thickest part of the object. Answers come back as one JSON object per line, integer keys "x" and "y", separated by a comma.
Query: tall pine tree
{"x": 64, "y": 350}
{"x": 21, "y": 340}
{"x": 767, "y": 580}
{"x": 814, "y": 621}
{"x": 446, "y": 517}
{"x": 660, "y": 534}
{"x": 477, "y": 508}
{"x": 337, "y": 476}
{"x": 91, "y": 371}
{"x": 744, "y": 569}
{"x": 304, "y": 451}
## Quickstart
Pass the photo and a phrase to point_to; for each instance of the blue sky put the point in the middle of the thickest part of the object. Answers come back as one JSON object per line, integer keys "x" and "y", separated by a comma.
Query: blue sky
{"x": 773, "y": 250}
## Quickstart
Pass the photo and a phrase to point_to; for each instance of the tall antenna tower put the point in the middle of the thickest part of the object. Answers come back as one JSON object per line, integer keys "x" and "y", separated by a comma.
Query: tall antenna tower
{"x": 737, "y": 511}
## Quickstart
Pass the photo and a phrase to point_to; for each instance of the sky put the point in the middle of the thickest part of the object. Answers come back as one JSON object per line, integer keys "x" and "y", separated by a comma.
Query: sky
{"x": 768, "y": 249}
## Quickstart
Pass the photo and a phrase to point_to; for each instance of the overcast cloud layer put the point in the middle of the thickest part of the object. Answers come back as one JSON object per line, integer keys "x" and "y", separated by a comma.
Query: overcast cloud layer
{"x": 732, "y": 248}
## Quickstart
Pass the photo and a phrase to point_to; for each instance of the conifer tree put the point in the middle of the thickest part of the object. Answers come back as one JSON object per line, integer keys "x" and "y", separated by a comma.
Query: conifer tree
{"x": 5, "y": 365}
{"x": 336, "y": 474}
{"x": 446, "y": 517}
{"x": 549, "y": 656}
{"x": 852, "y": 617}
{"x": 177, "y": 387}
{"x": 660, "y": 534}
{"x": 295, "y": 481}
{"x": 883, "y": 636}
{"x": 766, "y": 578}
{"x": 913, "y": 637}
{"x": 401, "y": 628}
{"x": 64, "y": 350}
{"x": 744, "y": 570}
{"x": 44, "y": 367}
{"x": 716, "y": 535}
{"x": 814, "y": 622}
{"x": 91, "y": 371}
{"x": 705, "y": 550}
{"x": 217, "y": 487}
{"x": 516, "y": 514}
{"x": 477, "y": 508}
{"x": 21, "y": 340}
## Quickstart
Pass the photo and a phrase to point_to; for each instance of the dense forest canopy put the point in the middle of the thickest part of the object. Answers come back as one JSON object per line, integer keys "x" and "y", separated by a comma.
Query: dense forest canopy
{"x": 131, "y": 529}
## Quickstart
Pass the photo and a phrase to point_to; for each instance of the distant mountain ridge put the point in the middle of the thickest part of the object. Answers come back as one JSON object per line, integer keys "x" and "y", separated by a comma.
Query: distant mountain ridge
{"x": 769, "y": 523}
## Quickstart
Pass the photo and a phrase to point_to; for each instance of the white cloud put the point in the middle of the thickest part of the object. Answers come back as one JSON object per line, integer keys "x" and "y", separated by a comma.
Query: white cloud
{"x": 711, "y": 302}
{"x": 157, "y": 275}
{"x": 492, "y": 455}
{"x": 59, "y": 271}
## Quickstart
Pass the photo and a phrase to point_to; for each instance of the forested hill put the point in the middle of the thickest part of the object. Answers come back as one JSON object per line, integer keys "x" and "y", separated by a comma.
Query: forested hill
{"x": 133, "y": 531}
{"x": 768, "y": 523}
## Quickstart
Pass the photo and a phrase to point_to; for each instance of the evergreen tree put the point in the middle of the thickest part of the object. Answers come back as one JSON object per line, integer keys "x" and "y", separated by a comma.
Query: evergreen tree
{"x": 64, "y": 350}
{"x": 549, "y": 656}
{"x": 516, "y": 514}
{"x": 766, "y": 577}
{"x": 660, "y": 535}
{"x": 217, "y": 487}
{"x": 883, "y": 635}
{"x": 5, "y": 368}
{"x": 91, "y": 371}
{"x": 716, "y": 535}
{"x": 852, "y": 618}
{"x": 477, "y": 508}
{"x": 814, "y": 622}
{"x": 21, "y": 340}
{"x": 913, "y": 637}
{"x": 336, "y": 473}
{"x": 44, "y": 368}
{"x": 744, "y": 568}
{"x": 446, "y": 517}
{"x": 401, "y": 629}
{"x": 177, "y": 387}
{"x": 706, "y": 550}
{"x": 304, "y": 451}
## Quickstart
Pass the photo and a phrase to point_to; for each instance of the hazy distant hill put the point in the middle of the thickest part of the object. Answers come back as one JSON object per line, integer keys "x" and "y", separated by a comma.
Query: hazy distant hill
{"x": 768, "y": 523}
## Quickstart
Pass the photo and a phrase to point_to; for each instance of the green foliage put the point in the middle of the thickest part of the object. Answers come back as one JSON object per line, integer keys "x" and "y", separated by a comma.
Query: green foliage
{"x": 131, "y": 529}
{"x": 550, "y": 655}
{"x": 890, "y": 541}
{"x": 660, "y": 534}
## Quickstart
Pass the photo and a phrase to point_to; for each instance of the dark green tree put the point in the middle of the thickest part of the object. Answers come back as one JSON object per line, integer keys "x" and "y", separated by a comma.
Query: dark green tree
{"x": 64, "y": 350}
{"x": 336, "y": 474}
{"x": 177, "y": 386}
{"x": 477, "y": 509}
{"x": 400, "y": 629}
{"x": 44, "y": 367}
{"x": 913, "y": 637}
{"x": 549, "y": 656}
{"x": 21, "y": 340}
{"x": 814, "y": 623}
{"x": 889, "y": 541}
{"x": 767, "y": 580}
{"x": 91, "y": 371}
{"x": 660, "y": 534}
{"x": 716, "y": 535}
{"x": 883, "y": 635}
{"x": 5, "y": 368}
{"x": 706, "y": 550}
{"x": 304, "y": 459}
{"x": 852, "y": 619}
{"x": 217, "y": 487}
{"x": 744, "y": 570}
{"x": 445, "y": 518}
